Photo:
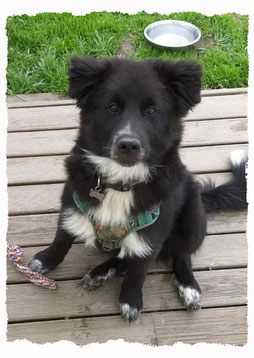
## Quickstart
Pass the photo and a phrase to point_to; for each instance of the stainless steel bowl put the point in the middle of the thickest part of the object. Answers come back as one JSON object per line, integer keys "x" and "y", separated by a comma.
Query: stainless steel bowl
{"x": 172, "y": 33}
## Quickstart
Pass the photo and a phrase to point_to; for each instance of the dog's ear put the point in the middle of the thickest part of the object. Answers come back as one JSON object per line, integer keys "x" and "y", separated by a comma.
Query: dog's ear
{"x": 84, "y": 74}
{"x": 183, "y": 80}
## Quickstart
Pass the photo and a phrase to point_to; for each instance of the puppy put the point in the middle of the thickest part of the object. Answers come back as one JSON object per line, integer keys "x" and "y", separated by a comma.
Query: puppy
{"x": 127, "y": 190}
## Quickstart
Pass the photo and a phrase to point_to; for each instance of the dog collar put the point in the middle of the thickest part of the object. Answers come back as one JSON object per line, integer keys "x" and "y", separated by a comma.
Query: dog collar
{"x": 111, "y": 237}
{"x": 98, "y": 191}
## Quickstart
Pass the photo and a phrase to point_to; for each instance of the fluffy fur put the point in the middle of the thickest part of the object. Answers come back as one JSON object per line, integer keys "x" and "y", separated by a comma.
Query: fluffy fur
{"x": 130, "y": 131}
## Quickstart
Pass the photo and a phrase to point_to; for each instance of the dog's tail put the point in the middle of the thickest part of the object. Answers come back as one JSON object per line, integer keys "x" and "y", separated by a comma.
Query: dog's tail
{"x": 231, "y": 195}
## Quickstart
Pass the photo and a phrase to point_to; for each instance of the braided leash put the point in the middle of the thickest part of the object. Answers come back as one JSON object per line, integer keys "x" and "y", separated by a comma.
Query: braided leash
{"x": 15, "y": 254}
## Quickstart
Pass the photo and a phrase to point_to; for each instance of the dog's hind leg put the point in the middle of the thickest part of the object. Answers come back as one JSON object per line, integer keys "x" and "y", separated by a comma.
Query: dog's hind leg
{"x": 101, "y": 273}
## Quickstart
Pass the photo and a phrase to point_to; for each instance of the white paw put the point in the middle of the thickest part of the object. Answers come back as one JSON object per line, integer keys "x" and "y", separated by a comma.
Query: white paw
{"x": 95, "y": 282}
{"x": 191, "y": 298}
{"x": 36, "y": 265}
{"x": 128, "y": 313}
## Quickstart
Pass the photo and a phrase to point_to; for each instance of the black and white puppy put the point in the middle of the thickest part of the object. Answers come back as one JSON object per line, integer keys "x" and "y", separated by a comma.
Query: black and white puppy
{"x": 125, "y": 161}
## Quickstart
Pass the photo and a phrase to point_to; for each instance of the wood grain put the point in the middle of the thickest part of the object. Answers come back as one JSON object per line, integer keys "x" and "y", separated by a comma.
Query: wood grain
{"x": 227, "y": 131}
{"x": 48, "y": 169}
{"x": 157, "y": 328}
{"x": 70, "y": 300}
{"x": 45, "y": 198}
{"x": 216, "y": 252}
{"x": 66, "y": 116}
{"x": 220, "y": 325}
{"x": 36, "y": 230}
{"x": 42, "y": 128}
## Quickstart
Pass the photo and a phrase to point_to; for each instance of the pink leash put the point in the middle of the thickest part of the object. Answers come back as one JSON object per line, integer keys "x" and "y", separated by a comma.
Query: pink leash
{"x": 15, "y": 254}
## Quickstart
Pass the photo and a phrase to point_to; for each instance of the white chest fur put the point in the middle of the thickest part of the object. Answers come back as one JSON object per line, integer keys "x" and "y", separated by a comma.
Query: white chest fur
{"x": 113, "y": 211}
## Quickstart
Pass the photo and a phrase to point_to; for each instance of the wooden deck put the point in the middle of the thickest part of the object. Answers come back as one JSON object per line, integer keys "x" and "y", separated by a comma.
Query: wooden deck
{"x": 41, "y": 132}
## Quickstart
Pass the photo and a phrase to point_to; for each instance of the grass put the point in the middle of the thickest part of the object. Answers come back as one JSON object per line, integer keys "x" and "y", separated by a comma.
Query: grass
{"x": 40, "y": 47}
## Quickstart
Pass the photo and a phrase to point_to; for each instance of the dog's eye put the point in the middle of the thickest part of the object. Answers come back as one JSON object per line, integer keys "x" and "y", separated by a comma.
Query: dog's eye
{"x": 150, "y": 111}
{"x": 113, "y": 108}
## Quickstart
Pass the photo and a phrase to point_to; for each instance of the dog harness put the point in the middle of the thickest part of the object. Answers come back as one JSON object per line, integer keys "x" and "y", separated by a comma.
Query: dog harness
{"x": 111, "y": 237}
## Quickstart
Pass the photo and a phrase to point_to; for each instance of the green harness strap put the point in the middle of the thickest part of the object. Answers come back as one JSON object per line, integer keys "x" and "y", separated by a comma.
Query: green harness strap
{"x": 110, "y": 238}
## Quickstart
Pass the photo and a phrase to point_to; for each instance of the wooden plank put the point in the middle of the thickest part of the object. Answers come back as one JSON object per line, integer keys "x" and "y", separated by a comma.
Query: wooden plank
{"x": 70, "y": 300}
{"x": 209, "y": 159}
{"x": 85, "y": 330}
{"x": 220, "y": 107}
{"x": 13, "y": 100}
{"x": 21, "y": 144}
{"x": 217, "y": 252}
{"x": 42, "y": 103}
{"x": 35, "y": 97}
{"x": 228, "y": 131}
{"x": 34, "y": 198}
{"x": 36, "y": 230}
{"x": 33, "y": 170}
{"x": 59, "y": 117}
{"x": 48, "y": 169}
{"x": 222, "y": 325}
{"x": 225, "y": 222}
{"x": 45, "y": 198}
{"x": 49, "y": 97}
{"x": 215, "y": 132}
{"x": 66, "y": 116}
{"x": 224, "y": 91}
{"x": 32, "y": 230}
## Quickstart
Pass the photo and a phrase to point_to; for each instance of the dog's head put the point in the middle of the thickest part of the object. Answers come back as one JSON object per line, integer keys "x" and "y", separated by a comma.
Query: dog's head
{"x": 131, "y": 110}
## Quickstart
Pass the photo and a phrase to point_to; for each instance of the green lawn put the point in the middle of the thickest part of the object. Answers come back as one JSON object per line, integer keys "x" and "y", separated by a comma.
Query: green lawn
{"x": 40, "y": 47}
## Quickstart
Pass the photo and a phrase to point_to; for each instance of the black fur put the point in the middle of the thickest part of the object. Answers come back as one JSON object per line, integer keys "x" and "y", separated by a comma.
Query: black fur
{"x": 135, "y": 90}
{"x": 228, "y": 196}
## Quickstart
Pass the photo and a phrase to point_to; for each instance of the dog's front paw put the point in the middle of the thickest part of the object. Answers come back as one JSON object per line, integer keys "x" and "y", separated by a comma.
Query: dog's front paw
{"x": 191, "y": 297}
{"x": 129, "y": 313}
{"x": 43, "y": 262}
{"x": 130, "y": 304}
{"x": 92, "y": 281}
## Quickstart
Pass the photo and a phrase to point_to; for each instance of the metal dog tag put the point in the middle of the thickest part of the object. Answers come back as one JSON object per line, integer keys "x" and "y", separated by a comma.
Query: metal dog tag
{"x": 96, "y": 194}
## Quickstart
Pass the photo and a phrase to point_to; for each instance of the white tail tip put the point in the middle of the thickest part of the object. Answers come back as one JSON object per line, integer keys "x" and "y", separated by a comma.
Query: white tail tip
{"x": 237, "y": 157}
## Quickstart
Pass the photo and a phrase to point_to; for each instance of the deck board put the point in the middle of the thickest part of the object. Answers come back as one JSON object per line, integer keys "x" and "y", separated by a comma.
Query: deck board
{"x": 39, "y": 229}
{"x": 71, "y": 300}
{"x": 21, "y": 197}
{"x": 217, "y": 325}
{"x": 41, "y": 132}
{"x": 50, "y": 169}
{"x": 66, "y": 116}
{"x": 227, "y": 131}
{"x": 217, "y": 252}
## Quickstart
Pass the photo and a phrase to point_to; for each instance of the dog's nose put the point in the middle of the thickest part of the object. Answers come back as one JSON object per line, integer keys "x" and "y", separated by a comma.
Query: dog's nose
{"x": 128, "y": 145}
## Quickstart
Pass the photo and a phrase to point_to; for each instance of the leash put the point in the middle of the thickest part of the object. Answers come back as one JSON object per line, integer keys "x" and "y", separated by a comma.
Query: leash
{"x": 15, "y": 255}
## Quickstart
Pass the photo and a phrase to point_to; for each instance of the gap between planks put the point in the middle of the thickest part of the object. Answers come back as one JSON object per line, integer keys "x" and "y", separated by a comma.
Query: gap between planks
{"x": 56, "y": 99}
{"x": 46, "y": 169}
{"x": 159, "y": 328}
{"x": 159, "y": 293}
{"x": 55, "y": 142}
{"x": 216, "y": 252}
{"x": 68, "y": 116}
{"x": 45, "y": 198}
{"x": 39, "y": 229}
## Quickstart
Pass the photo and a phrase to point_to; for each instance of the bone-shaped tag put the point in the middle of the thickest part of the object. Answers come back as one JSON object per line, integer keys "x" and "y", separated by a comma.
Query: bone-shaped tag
{"x": 96, "y": 194}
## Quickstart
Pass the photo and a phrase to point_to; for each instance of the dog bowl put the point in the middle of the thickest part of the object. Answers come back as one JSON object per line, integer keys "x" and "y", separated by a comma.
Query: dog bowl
{"x": 172, "y": 33}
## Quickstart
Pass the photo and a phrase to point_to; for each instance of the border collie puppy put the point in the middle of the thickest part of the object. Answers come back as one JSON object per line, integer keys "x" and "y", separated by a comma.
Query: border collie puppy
{"x": 127, "y": 190}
